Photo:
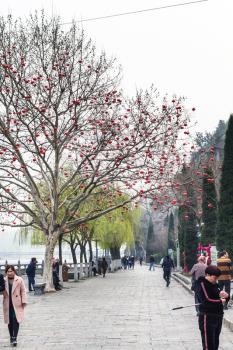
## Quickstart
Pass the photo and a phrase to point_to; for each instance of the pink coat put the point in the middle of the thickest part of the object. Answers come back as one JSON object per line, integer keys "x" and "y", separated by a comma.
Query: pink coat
{"x": 19, "y": 297}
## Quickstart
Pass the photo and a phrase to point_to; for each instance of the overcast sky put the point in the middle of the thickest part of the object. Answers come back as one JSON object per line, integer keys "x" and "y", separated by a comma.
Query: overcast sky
{"x": 186, "y": 50}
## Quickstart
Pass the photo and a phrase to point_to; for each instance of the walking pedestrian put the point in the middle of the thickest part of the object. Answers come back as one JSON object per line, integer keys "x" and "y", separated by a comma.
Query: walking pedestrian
{"x": 211, "y": 301}
{"x": 14, "y": 302}
{"x": 104, "y": 266}
{"x": 124, "y": 262}
{"x": 31, "y": 273}
{"x": 197, "y": 271}
{"x": 140, "y": 260}
{"x": 129, "y": 262}
{"x": 152, "y": 263}
{"x": 132, "y": 261}
{"x": 167, "y": 266}
{"x": 225, "y": 266}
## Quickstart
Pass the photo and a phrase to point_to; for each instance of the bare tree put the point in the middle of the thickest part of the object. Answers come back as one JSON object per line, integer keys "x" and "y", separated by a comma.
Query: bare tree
{"x": 67, "y": 132}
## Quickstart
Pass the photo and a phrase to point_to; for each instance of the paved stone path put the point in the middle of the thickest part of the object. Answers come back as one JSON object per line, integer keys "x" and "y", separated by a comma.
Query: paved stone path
{"x": 128, "y": 310}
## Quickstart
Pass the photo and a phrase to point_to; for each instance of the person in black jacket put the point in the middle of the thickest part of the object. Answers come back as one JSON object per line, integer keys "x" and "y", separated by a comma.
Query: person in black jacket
{"x": 211, "y": 301}
{"x": 104, "y": 266}
{"x": 167, "y": 266}
{"x": 2, "y": 283}
{"x": 31, "y": 273}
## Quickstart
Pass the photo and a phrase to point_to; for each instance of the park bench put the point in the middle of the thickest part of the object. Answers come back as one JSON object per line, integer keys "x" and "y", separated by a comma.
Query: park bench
{"x": 39, "y": 288}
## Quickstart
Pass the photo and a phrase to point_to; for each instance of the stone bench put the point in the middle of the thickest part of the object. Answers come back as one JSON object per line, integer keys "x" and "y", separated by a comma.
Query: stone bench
{"x": 39, "y": 288}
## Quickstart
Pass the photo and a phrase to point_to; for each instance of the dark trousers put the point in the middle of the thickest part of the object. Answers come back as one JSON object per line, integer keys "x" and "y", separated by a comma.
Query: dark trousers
{"x": 94, "y": 271}
{"x": 195, "y": 296}
{"x": 31, "y": 282}
{"x": 13, "y": 327}
{"x": 196, "y": 301}
{"x": 167, "y": 275}
{"x": 210, "y": 327}
{"x": 226, "y": 285}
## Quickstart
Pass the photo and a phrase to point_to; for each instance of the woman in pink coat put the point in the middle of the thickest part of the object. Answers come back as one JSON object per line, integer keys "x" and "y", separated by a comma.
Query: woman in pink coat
{"x": 14, "y": 302}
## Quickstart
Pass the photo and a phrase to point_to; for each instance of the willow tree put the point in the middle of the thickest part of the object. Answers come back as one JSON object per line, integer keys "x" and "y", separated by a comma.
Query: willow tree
{"x": 116, "y": 229}
{"x": 62, "y": 115}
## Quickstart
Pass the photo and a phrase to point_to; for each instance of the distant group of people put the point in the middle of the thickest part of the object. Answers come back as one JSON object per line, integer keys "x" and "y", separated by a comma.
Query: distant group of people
{"x": 101, "y": 269}
{"x": 128, "y": 262}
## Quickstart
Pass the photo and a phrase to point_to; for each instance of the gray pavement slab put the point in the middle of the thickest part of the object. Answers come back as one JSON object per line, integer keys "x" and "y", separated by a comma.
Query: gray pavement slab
{"x": 127, "y": 310}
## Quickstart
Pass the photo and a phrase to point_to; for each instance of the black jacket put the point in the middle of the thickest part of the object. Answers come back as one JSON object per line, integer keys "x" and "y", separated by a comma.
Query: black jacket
{"x": 167, "y": 264}
{"x": 2, "y": 283}
{"x": 31, "y": 269}
{"x": 152, "y": 259}
{"x": 208, "y": 297}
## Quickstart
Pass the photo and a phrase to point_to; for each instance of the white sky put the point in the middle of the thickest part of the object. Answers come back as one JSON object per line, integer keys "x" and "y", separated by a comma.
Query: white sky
{"x": 184, "y": 50}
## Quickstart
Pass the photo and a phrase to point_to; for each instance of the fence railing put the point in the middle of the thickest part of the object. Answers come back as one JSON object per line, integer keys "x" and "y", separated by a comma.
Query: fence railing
{"x": 82, "y": 268}
{"x": 21, "y": 268}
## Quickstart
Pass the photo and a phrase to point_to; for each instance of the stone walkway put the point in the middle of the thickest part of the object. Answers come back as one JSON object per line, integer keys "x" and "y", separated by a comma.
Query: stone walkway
{"x": 128, "y": 310}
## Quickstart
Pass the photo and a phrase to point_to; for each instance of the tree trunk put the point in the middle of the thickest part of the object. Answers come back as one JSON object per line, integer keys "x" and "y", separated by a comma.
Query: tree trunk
{"x": 85, "y": 253}
{"x": 60, "y": 249}
{"x": 90, "y": 250}
{"x": 73, "y": 253}
{"x": 60, "y": 258}
{"x": 74, "y": 257}
{"x": 82, "y": 250}
{"x": 48, "y": 270}
{"x": 115, "y": 253}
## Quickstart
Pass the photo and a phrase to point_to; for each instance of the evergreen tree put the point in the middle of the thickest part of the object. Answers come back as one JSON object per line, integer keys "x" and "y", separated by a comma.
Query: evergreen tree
{"x": 225, "y": 213}
{"x": 209, "y": 208}
{"x": 171, "y": 232}
{"x": 190, "y": 238}
{"x": 187, "y": 221}
{"x": 150, "y": 239}
{"x": 181, "y": 232}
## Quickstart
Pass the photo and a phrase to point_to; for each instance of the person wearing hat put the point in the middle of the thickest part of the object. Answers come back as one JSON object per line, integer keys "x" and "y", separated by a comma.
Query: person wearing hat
{"x": 211, "y": 301}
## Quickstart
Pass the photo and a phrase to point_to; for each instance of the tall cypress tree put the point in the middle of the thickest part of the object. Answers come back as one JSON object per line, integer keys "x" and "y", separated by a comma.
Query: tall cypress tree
{"x": 150, "y": 239}
{"x": 171, "y": 233}
{"x": 225, "y": 212}
{"x": 181, "y": 232}
{"x": 187, "y": 227}
{"x": 190, "y": 239}
{"x": 209, "y": 209}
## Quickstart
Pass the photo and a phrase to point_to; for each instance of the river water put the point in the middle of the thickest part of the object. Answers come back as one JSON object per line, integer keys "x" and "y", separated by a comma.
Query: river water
{"x": 14, "y": 248}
